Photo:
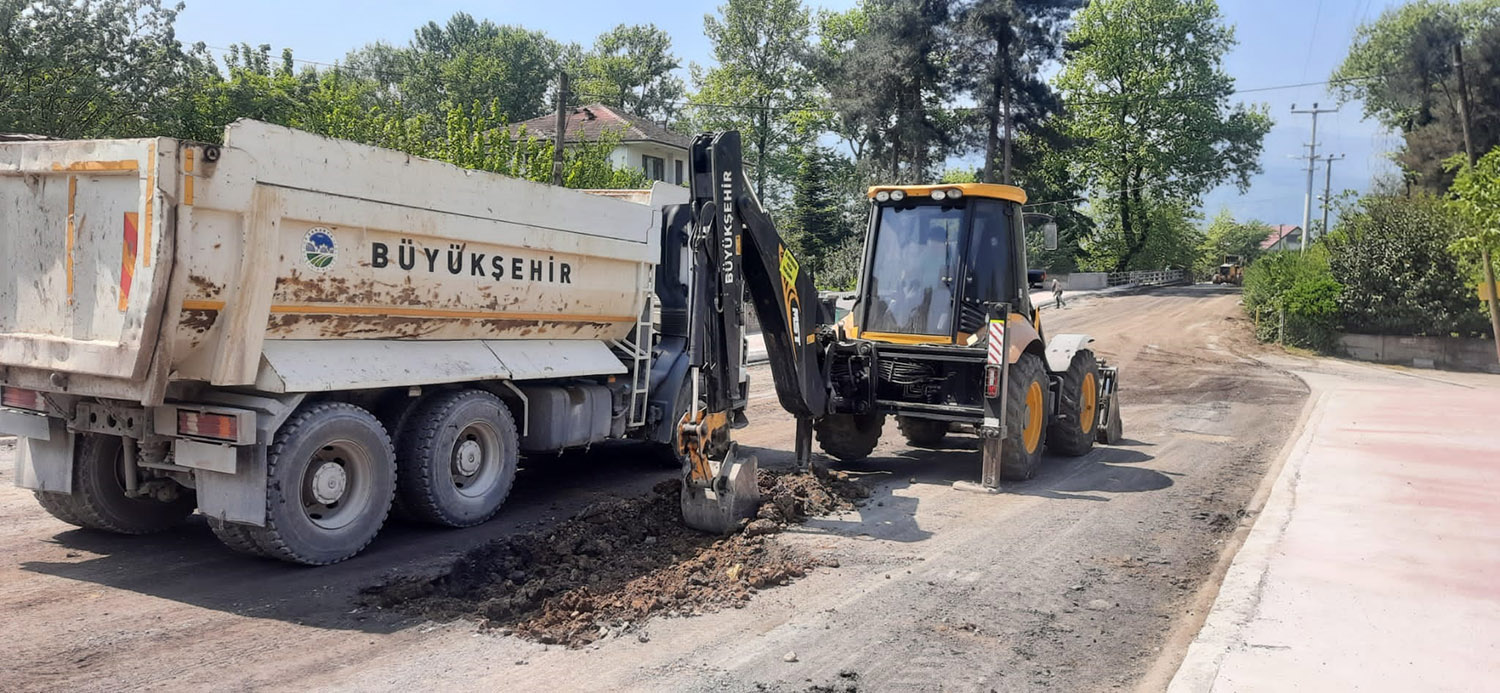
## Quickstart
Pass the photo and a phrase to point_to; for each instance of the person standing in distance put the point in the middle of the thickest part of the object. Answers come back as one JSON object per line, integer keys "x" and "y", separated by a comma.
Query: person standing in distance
{"x": 1057, "y": 293}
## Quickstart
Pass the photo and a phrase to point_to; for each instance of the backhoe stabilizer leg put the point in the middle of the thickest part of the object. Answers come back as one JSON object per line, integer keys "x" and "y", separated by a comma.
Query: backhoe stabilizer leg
{"x": 1109, "y": 430}
{"x": 732, "y": 496}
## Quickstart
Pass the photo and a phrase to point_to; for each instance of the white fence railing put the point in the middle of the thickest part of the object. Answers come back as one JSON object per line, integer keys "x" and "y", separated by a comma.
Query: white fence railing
{"x": 1148, "y": 277}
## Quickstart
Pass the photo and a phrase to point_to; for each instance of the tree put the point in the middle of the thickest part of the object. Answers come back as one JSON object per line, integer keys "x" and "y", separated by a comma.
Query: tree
{"x": 758, "y": 80}
{"x": 816, "y": 219}
{"x": 1148, "y": 104}
{"x": 1400, "y": 68}
{"x": 631, "y": 67}
{"x": 93, "y": 69}
{"x": 1004, "y": 45}
{"x": 1225, "y": 236}
{"x": 1475, "y": 197}
{"x": 462, "y": 62}
{"x": 903, "y": 64}
{"x": 1393, "y": 255}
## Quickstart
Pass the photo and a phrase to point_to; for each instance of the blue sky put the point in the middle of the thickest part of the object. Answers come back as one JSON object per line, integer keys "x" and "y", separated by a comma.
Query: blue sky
{"x": 1280, "y": 42}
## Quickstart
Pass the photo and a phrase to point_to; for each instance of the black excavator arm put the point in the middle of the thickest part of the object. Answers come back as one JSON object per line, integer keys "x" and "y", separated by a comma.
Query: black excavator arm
{"x": 736, "y": 253}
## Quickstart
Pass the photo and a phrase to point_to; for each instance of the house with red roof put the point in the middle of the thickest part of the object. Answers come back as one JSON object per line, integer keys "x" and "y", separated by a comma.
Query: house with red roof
{"x": 1283, "y": 237}
{"x": 657, "y": 151}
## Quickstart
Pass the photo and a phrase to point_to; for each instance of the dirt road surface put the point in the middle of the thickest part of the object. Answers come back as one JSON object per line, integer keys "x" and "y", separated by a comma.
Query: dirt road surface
{"x": 1071, "y": 581}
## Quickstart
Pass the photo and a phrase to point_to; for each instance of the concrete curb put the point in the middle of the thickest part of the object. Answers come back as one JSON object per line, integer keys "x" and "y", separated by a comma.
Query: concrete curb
{"x": 1230, "y": 597}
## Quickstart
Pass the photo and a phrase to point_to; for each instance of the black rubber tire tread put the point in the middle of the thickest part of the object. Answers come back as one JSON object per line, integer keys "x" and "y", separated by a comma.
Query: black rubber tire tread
{"x": 415, "y": 475}
{"x": 1015, "y": 464}
{"x": 922, "y": 433}
{"x": 395, "y": 413}
{"x": 98, "y": 499}
{"x": 1065, "y": 434}
{"x": 849, "y": 437}
{"x": 236, "y": 537}
{"x": 60, "y": 505}
{"x": 671, "y": 455}
{"x": 271, "y": 540}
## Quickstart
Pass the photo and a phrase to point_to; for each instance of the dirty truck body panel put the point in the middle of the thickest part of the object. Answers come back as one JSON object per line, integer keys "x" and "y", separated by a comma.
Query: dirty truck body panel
{"x": 158, "y": 278}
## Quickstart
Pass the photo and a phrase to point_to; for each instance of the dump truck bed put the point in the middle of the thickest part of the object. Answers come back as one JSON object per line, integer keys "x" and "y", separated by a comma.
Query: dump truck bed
{"x": 288, "y": 262}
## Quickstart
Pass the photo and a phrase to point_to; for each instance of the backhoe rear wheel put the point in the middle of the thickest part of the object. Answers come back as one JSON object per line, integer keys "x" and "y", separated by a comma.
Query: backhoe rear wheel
{"x": 1072, "y": 430}
{"x": 98, "y": 500}
{"x": 922, "y": 433}
{"x": 1026, "y": 419}
{"x": 849, "y": 437}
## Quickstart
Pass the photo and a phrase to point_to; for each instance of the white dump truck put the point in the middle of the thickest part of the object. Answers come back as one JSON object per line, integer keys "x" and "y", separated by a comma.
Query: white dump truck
{"x": 290, "y": 334}
{"x": 286, "y": 332}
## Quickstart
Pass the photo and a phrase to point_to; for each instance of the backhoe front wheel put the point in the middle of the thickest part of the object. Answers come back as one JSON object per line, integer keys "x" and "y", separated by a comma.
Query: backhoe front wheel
{"x": 330, "y": 478}
{"x": 1026, "y": 419}
{"x": 849, "y": 437}
{"x": 99, "y": 501}
{"x": 1072, "y": 431}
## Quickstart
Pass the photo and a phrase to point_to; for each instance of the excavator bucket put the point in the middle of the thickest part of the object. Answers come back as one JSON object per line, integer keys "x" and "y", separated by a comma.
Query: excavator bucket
{"x": 733, "y": 496}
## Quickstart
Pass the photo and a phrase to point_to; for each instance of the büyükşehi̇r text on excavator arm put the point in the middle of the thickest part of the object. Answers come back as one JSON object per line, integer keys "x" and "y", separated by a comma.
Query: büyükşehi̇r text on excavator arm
{"x": 736, "y": 252}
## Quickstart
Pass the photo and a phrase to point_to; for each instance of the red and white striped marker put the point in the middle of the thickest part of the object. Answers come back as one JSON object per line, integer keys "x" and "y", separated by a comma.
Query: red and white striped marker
{"x": 997, "y": 343}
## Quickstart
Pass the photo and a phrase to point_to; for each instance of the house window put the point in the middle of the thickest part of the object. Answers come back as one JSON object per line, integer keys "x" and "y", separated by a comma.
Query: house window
{"x": 654, "y": 166}
{"x": 678, "y": 164}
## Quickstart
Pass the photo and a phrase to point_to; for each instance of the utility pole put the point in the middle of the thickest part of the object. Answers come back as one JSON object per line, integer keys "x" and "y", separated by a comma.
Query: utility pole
{"x": 1312, "y": 158}
{"x": 1328, "y": 190}
{"x": 560, "y": 129}
{"x": 1467, "y": 110}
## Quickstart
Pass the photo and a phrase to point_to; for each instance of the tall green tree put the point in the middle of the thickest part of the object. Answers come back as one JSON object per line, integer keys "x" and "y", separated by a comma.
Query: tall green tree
{"x": 898, "y": 80}
{"x": 1148, "y": 103}
{"x": 631, "y": 67}
{"x": 758, "y": 82}
{"x": 465, "y": 61}
{"x": 90, "y": 69}
{"x": 1004, "y": 46}
{"x": 1400, "y": 68}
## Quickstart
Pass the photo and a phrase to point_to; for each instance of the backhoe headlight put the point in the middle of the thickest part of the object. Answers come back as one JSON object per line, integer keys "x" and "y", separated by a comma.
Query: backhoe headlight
{"x": 897, "y": 195}
{"x": 882, "y": 196}
{"x": 955, "y": 193}
{"x": 939, "y": 195}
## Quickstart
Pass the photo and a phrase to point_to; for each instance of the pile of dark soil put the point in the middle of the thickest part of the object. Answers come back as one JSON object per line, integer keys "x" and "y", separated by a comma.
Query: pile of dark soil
{"x": 615, "y": 564}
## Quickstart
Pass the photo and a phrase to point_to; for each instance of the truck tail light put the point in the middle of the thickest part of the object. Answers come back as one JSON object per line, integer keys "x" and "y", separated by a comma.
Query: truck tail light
{"x": 991, "y": 381}
{"x": 206, "y": 425}
{"x": 18, "y": 398}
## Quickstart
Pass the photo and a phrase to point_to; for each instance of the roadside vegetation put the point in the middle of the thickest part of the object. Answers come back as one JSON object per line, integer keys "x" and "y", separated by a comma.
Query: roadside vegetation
{"x": 1406, "y": 258}
{"x": 828, "y": 103}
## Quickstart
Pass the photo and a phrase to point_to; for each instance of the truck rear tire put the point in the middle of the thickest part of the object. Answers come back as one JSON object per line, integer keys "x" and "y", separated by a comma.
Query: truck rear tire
{"x": 849, "y": 437}
{"x": 1072, "y": 429}
{"x": 98, "y": 500}
{"x": 330, "y": 478}
{"x": 458, "y": 458}
{"x": 922, "y": 433}
{"x": 236, "y": 537}
{"x": 1025, "y": 419}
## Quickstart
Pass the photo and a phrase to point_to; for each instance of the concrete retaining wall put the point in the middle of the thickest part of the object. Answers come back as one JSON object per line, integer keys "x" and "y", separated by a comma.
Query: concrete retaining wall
{"x": 1083, "y": 281}
{"x": 1422, "y": 352}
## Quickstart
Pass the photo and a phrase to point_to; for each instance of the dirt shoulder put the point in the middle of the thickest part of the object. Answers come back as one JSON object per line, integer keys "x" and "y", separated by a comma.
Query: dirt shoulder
{"x": 1070, "y": 581}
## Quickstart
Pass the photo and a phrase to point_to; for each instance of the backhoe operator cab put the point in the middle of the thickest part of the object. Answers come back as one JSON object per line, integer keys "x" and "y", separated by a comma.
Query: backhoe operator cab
{"x": 945, "y": 338}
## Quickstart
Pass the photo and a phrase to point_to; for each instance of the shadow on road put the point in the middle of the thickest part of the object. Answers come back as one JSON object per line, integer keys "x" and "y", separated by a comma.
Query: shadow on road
{"x": 190, "y": 566}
